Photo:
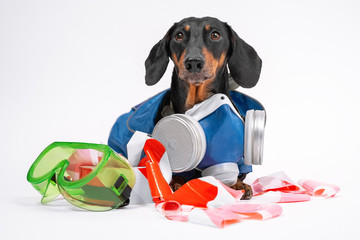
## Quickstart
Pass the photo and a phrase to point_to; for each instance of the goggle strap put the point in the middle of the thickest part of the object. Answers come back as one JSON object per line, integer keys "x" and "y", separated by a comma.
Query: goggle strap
{"x": 121, "y": 187}
{"x": 53, "y": 180}
{"x": 126, "y": 192}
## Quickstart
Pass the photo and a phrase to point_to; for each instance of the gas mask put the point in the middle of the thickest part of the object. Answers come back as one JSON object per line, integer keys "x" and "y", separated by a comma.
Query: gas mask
{"x": 214, "y": 138}
{"x": 219, "y": 136}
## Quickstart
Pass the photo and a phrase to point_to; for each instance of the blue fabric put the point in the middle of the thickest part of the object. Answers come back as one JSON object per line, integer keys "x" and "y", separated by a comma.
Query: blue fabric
{"x": 223, "y": 129}
{"x": 244, "y": 102}
{"x": 224, "y": 133}
{"x": 140, "y": 118}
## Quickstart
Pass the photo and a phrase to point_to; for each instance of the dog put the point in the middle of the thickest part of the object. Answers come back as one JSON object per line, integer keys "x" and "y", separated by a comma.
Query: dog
{"x": 202, "y": 50}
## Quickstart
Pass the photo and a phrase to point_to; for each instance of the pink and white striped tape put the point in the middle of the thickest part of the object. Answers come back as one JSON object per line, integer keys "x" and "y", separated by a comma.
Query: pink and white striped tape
{"x": 226, "y": 208}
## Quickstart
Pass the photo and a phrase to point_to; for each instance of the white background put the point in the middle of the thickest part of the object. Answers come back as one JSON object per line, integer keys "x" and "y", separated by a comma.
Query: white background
{"x": 68, "y": 69}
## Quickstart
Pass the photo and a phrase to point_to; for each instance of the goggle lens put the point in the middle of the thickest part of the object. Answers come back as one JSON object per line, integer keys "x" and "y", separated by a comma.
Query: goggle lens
{"x": 93, "y": 178}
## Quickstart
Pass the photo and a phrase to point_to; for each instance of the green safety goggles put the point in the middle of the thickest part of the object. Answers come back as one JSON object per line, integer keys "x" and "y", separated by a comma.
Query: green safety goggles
{"x": 89, "y": 176}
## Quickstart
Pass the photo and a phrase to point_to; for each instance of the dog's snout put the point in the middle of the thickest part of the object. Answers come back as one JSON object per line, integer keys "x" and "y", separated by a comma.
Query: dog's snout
{"x": 194, "y": 65}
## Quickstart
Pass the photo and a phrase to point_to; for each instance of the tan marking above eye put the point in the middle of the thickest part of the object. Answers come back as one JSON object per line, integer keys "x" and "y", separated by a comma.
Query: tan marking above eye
{"x": 187, "y": 27}
{"x": 207, "y": 27}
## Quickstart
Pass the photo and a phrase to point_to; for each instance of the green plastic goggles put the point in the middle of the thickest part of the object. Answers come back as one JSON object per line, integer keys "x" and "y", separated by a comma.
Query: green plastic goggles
{"x": 89, "y": 176}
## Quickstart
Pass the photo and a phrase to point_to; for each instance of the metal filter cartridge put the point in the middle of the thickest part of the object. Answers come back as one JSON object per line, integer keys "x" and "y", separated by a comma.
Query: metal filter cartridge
{"x": 184, "y": 141}
{"x": 254, "y": 137}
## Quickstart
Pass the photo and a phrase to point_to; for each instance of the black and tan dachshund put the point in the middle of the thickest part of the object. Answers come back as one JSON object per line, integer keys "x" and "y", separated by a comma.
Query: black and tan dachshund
{"x": 202, "y": 49}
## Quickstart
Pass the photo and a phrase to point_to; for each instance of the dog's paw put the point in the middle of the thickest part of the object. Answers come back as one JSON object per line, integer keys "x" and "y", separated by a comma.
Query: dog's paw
{"x": 177, "y": 182}
{"x": 239, "y": 185}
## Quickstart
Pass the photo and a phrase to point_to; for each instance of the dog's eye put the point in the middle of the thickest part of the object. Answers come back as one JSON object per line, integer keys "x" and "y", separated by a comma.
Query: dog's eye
{"x": 215, "y": 35}
{"x": 179, "y": 36}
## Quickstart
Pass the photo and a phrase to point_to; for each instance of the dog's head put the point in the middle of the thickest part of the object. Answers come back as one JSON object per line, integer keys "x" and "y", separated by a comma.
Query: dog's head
{"x": 200, "y": 48}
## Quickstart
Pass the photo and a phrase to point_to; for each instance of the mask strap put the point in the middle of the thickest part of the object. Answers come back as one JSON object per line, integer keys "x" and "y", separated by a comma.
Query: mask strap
{"x": 205, "y": 108}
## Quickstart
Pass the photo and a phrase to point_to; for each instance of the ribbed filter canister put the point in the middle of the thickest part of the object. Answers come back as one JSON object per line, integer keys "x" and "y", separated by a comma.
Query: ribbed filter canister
{"x": 254, "y": 137}
{"x": 183, "y": 139}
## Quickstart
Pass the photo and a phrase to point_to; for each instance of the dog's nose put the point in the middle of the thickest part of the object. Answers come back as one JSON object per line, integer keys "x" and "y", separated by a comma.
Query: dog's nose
{"x": 194, "y": 65}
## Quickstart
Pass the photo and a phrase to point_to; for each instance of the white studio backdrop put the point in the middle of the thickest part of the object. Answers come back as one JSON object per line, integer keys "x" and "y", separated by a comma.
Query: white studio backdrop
{"x": 68, "y": 69}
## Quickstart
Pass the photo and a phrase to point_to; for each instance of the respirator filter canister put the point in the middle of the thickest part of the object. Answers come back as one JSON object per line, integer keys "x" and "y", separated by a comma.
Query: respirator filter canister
{"x": 254, "y": 137}
{"x": 184, "y": 140}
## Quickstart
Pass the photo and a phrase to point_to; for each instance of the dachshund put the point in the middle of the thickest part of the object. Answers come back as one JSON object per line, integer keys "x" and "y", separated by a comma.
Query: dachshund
{"x": 204, "y": 51}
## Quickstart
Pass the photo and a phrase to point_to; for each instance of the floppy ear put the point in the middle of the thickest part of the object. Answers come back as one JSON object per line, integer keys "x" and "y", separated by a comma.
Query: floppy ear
{"x": 244, "y": 63}
{"x": 157, "y": 61}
